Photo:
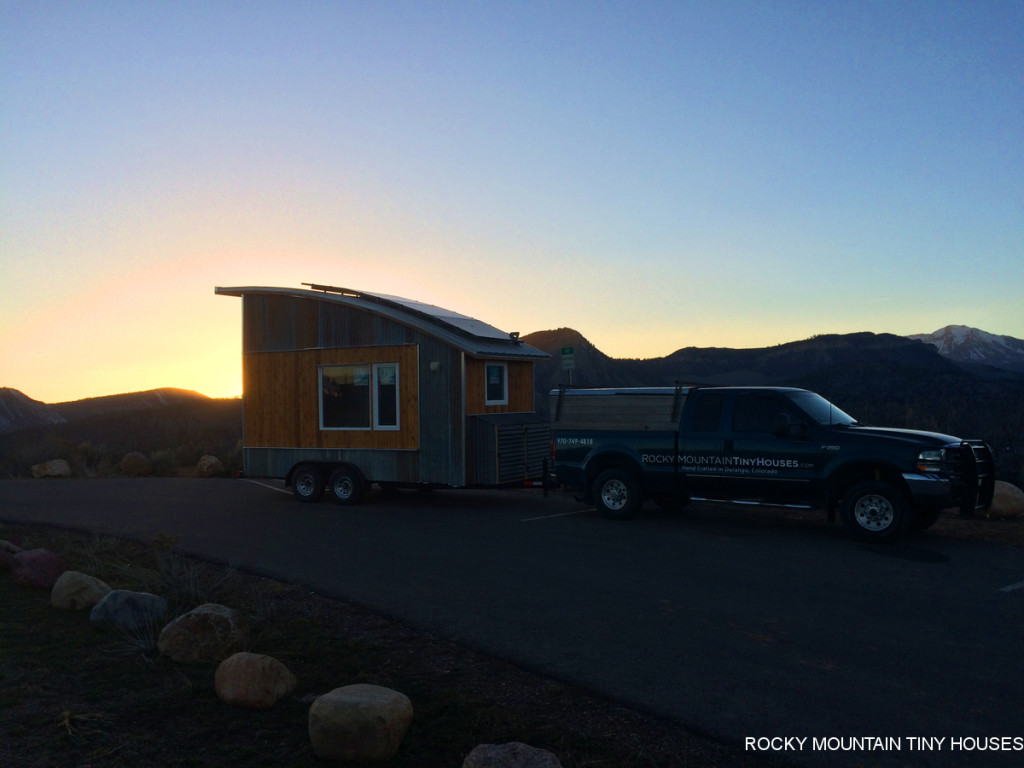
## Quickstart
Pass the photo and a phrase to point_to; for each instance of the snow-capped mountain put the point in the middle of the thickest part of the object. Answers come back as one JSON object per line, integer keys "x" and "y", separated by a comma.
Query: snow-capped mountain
{"x": 18, "y": 411}
{"x": 966, "y": 345}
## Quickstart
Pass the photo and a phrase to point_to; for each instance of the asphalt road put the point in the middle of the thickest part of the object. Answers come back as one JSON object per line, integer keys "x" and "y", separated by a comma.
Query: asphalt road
{"x": 735, "y": 623}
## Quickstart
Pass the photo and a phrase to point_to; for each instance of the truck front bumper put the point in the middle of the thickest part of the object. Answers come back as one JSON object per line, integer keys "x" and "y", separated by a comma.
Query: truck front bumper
{"x": 938, "y": 491}
{"x": 931, "y": 490}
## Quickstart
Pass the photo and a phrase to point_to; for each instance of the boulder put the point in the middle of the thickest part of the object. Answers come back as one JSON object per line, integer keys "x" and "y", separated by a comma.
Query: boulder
{"x": 77, "y": 591}
{"x": 209, "y": 633}
{"x": 1008, "y": 501}
{"x": 135, "y": 463}
{"x": 515, "y": 754}
{"x": 136, "y": 614}
{"x": 253, "y": 680}
{"x": 53, "y": 468}
{"x": 209, "y": 466}
{"x": 7, "y": 553}
{"x": 38, "y": 568}
{"x": 361, "y": 723}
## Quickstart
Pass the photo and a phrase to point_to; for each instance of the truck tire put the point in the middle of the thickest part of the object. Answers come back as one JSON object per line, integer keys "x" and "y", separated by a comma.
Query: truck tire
{"x": 307, "y": 483}
{"x": 875, "y": 511}
{"x": 346, "y": 484}
{"x": 617, "y": 494}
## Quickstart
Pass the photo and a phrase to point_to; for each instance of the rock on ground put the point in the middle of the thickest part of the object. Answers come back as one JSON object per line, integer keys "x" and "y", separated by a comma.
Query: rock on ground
{"x": 7, "y": 553}
{"x": 135, "y": 463}
{"x": 515, "y": 754}
{"x": 134, "y": 614}
{"x": 253, "y": 680}
{"x": 360, "y": 723}
{"x": 1008, "y": 501}
{"x": 209, "y": 633}
{"x": 209, "y": 466}
{"x": 77, "y": 591}
{"x": 53, "y": 468}
{"x": 38, "y": 568}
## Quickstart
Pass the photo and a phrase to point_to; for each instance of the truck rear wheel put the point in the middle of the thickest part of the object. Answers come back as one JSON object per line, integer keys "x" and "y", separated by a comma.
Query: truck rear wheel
{"x": 875, "y": 511}
{"x": 307, "y": 483}
{"x": 346, "y": 484}
{"x": 617, "y": 494}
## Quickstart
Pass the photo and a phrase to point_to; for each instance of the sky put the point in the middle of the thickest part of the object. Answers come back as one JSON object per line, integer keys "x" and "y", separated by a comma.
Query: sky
{"x": 656, "y": 175}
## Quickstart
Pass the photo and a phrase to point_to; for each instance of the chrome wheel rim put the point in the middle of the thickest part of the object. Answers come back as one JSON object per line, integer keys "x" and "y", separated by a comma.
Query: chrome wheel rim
{"x": 305, "y": 484}
{"x": 874, "y": 512}
{"x": 614, "y": 494}
{"x": 344, "y": 488}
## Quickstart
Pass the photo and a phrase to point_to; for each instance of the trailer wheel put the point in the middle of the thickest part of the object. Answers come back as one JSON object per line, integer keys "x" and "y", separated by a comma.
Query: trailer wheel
{"x": 346, "y": 484}
{"x": 875, "y": 511}
{"x": 307, "y": 483}
{"x": 617, "y": 494}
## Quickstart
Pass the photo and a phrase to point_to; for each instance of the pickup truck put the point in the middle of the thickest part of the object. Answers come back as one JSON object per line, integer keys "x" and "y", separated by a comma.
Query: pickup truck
{"x": 777, "y": 446}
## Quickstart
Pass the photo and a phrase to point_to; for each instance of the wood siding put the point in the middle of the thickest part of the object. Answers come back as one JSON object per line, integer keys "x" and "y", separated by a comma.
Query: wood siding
{"x": 520, "y": 387}
{"x": 282, "y": 399}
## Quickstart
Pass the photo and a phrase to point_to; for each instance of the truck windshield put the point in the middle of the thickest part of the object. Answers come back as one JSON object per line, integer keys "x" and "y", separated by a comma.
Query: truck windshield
{"x": 820, "y": 409}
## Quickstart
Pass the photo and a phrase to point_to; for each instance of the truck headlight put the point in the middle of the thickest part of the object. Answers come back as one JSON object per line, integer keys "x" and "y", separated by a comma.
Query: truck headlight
{"x": 931, "y": 461}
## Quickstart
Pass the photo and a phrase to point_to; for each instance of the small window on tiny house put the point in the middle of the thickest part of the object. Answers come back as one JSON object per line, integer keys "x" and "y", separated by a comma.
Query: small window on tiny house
{"x": 496, "y": 384}
{"x": 385, "y": 401}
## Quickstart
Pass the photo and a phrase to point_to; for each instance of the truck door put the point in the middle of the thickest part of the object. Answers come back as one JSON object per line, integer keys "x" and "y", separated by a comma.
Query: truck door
{"x": 702, "y": 445}
{"x": 771, "y": 449}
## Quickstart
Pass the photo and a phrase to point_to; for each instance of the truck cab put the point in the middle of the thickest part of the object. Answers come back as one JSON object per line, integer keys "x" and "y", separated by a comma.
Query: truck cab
{"x": 776, "y": 446}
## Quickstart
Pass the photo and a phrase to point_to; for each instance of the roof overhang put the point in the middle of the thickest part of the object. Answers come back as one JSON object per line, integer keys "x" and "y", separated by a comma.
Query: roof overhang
{"x": 471, "y": 336}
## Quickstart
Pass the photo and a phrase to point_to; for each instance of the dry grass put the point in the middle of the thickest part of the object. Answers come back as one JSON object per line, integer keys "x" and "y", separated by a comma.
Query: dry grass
{"x": 73, "y": 695}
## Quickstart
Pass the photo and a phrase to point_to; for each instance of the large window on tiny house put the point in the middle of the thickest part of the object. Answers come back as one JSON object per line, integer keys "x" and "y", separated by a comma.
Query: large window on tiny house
{"x": 358, "y": 396}
{"x": 496, "y": 385}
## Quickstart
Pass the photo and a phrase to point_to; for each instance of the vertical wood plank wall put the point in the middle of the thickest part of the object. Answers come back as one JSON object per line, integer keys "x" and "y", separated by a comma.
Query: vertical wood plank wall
{"x": 282, "y": 399}
{"x": 520, "y": 387}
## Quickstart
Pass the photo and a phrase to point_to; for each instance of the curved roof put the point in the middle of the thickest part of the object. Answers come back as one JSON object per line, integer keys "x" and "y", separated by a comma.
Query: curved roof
{"x": 472, "y": 336}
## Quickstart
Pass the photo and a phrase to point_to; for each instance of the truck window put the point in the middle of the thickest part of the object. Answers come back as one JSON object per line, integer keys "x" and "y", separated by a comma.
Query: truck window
{"x": 707, "y": 414}
{"x": 756, "y": 413}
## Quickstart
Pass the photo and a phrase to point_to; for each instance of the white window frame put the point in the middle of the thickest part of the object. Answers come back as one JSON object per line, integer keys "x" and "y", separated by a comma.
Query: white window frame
{"x": 504, "y": 383}
{"x": 375, "y": 398}
{"x": 373, "y": 372}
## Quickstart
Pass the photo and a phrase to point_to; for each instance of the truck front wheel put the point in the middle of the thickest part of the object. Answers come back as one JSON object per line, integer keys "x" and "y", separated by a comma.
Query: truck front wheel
{"x": 617, "y": 494}
{"x": 875, "y": 511}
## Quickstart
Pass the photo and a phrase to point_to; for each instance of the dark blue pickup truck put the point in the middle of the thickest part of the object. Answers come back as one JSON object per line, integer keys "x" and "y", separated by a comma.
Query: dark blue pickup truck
{"x": 776, "y": 446}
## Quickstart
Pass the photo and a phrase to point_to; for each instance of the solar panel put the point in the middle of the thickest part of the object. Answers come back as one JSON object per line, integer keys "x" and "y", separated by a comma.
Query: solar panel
{"x": 457, "y": 321}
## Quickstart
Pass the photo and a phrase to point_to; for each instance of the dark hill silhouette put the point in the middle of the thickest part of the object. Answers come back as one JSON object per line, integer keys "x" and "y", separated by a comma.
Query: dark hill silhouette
{"x": 878, "y": 378}
{"x": 173, "y": 427}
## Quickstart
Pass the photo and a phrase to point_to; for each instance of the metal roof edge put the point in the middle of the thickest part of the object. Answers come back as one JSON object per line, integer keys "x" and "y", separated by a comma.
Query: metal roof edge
{"x": 476, "y": 346}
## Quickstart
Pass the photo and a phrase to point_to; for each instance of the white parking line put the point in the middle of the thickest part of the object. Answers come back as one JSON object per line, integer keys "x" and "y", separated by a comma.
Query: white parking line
{"x": 271, "y": 487}
{"x": 548, "y": 517}
{"x": 1011, "y": 587}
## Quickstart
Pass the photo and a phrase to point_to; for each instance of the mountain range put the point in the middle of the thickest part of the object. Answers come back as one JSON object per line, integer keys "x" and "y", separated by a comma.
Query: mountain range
{"x": 958, "y": 380}
{"x": 969, "y": 346}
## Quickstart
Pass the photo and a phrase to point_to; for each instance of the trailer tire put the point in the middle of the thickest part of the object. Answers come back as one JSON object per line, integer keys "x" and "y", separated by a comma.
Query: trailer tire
{"x": 307, "y": 483}
{"x": 346, "y": 485}
{"x": 617, "y": 494}
{"x": 875, "y": 511}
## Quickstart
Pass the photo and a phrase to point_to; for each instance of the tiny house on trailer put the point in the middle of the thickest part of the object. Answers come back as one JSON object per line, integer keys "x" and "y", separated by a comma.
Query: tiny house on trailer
{"x": 344, "y": 388}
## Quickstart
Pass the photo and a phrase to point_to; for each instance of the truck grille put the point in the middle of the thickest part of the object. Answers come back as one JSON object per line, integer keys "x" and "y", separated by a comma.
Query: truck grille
{"x": 971, "y": 467}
